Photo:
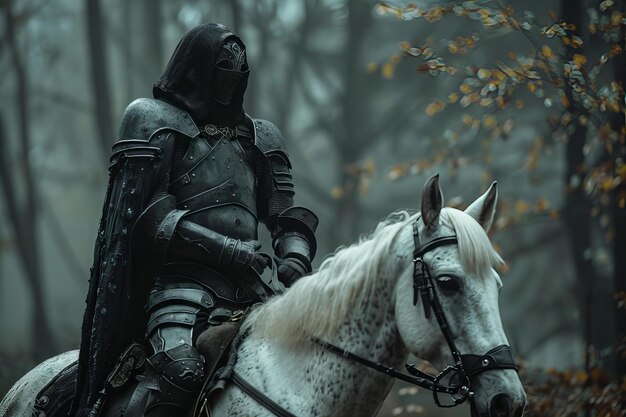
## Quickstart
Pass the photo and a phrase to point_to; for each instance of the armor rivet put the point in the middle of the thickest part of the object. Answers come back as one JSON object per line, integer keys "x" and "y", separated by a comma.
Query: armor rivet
{"x": 213, "y": 158}
{"x": 485, "y": 362}
{"x": 217, "y": 201}
{"x": 227, "y": 166}
{"x": 190, "y": 156}
{"x": 193, "y": 175}
{"x": 185, "y": 206}
{"x": 234, "y": 194}
{"x": 237, "y": 221}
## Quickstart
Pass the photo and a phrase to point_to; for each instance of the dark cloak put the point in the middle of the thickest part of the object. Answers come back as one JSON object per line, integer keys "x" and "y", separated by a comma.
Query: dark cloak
{"x": 114, "y": 316}
{"x": 187, "y": 80}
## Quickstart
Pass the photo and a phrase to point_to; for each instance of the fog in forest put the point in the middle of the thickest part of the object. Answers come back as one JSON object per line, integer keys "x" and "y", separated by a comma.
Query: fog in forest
{"x": 368, "y": 112}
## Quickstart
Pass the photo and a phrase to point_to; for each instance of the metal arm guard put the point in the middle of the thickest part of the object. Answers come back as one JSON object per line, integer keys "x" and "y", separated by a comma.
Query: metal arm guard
{"x": 162, "y": 229}
{"x": 296, "y": 235}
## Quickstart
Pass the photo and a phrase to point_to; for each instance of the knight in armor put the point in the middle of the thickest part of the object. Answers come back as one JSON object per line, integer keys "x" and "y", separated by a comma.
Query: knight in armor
{"x": 191, "y": 176}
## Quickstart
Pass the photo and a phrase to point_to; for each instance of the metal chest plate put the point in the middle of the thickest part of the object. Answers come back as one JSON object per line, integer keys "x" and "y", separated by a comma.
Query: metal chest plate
{"x": 216, "y": 183}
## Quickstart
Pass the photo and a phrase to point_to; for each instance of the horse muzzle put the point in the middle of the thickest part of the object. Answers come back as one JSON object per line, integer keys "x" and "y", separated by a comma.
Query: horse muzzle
{"x": 501, "y": 405}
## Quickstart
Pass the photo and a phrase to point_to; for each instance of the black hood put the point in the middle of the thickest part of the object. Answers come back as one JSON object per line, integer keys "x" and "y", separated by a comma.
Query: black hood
{"x": 186, "y": 81}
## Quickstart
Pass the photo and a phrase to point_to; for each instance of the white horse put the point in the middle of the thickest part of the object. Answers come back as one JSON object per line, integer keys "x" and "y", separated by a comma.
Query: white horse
{"x": 361, "y": 299}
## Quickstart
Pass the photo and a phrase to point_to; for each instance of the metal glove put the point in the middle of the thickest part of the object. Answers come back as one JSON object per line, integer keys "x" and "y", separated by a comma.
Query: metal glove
{"x": 290, "y": 270}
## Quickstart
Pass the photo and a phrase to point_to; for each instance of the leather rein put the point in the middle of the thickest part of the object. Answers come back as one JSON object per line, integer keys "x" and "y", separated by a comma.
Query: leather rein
{"x": 465, "y": 366}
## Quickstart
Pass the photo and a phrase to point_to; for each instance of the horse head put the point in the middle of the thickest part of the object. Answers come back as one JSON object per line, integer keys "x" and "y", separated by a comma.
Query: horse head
{"x": 459, "y": 260}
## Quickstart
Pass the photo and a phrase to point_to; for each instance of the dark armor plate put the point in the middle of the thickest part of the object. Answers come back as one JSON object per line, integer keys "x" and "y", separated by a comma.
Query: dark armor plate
{"x": 218, "y": 187}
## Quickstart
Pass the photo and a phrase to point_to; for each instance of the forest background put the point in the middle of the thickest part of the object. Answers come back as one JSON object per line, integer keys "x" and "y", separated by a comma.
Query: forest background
{"x": 373, "y": 98}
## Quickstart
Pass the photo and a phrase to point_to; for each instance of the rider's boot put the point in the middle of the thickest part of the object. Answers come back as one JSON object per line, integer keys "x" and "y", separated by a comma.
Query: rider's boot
{"x": 180, "y": 376}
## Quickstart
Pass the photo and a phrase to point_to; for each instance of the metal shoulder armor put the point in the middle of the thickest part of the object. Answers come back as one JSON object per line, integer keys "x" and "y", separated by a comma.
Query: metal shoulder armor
{"x": 146, "y": 116}
{"x": 142, "y": 122}
{"x": 271, "y": 142}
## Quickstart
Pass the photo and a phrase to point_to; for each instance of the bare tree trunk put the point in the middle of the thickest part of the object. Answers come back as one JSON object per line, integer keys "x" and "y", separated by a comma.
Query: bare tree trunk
{"x": 24, "y": 217}
{"x": 152, "y": 40}
{"x": 127, "y": 49}
{"x": 350, "y": 131}
{"x": 618, "y": 202}
{"x": 99, "y": 76}
{"x": 235, "y": 10}
{"x": 578, "y": 206}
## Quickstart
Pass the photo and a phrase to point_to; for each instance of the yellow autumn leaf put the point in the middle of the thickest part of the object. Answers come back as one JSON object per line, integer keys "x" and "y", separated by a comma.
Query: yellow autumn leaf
{"x": 503, "y": 268}
{"x": 607, "y": 184}
{"x": 405, "y": 46}
{"x": 484, "y": 13}
{"x": 564, "y": 100}
{"x": 336, "y": 192}
{"x": 499, "y": 75}
{"x": 579, "y": 60}
{"x": 547, "y": 52}
{"x": 519, "y": 104}
{"x": 453, "y": 97}
{"x": 467, "y": 119}
{"x": 369, "y": 167}
{"x": 372, "y": 67}
{"x": 465, "y": 89}
{"x": 434, "y": 107}
{"x": 397, "y": 172}
{"x": 621, "y": 171}
{"x": 521, "y": 206}
{"x": 388, "y": 70}
{"x": 531, "y": 86}
{"x": 616, "y": 18}
{"x": 581, "y": 377}
{"x": 483, "y": 73}
{"x": 490, "y": 122}
{"x": 453, "y": 47}
{"x": 424, "y": 164}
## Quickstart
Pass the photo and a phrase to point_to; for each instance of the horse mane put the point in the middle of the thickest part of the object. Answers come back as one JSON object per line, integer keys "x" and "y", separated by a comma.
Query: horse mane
{"x": 318, "y": 304}
{"x": 475, "y": 249}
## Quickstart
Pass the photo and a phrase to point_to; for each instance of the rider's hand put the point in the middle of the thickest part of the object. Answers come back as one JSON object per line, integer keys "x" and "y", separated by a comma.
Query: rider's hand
{"x": 246, "y": 255}
{"x": 290, "y": 270}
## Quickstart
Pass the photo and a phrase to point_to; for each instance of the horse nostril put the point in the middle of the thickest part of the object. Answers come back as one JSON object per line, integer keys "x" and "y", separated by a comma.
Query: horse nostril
{"x": 500, "y": 406}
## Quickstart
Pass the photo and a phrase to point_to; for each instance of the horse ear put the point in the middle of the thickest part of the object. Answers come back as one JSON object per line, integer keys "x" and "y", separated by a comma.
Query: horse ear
{"x": 484, "y": 208}
{"x": 432, "y": 200}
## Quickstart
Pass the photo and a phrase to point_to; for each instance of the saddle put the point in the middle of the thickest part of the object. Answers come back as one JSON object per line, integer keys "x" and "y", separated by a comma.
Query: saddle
{"x": 55, "y": 399}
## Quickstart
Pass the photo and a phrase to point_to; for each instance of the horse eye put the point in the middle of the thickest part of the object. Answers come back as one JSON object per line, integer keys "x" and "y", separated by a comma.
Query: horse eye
{"x": 448, "y": 283}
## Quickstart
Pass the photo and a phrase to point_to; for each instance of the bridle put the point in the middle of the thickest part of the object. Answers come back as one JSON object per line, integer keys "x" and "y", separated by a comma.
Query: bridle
{"x": 459, "y": 374}
{"x": 465, "y": 366}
